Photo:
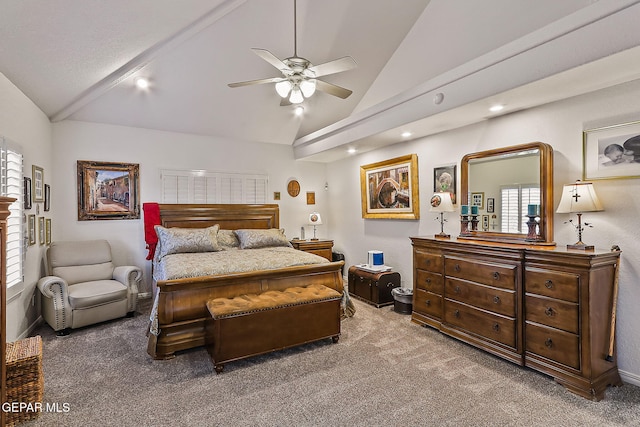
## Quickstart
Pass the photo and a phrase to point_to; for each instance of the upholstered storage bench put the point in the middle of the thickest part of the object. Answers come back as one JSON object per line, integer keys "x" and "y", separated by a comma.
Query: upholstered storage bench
{"x": 249, "y": 325}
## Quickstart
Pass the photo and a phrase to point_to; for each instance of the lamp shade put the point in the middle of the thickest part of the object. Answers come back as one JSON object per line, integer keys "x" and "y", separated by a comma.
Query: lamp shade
{"x": 441, "y": 202}
{"x": 283, "y": 88}
{"x": 315, "y": 218}
{"x": 579, "y": 197}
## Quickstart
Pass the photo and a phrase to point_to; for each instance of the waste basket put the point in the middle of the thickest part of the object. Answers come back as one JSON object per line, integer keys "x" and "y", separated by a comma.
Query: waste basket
{"x": 403, "y": 300}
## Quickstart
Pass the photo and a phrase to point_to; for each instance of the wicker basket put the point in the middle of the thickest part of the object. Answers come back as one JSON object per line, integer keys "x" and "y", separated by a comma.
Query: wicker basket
{"x": 25, "y": 379}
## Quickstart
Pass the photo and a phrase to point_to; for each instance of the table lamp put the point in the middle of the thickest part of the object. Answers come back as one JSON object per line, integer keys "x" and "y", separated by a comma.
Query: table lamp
{"x": 315, "y": 219}
{"x": 441, "y": 202}
{"x": 578, "y": 198}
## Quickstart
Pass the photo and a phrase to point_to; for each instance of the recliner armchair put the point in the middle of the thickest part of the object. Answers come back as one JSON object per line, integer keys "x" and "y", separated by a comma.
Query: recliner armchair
{"x": 84, "y": 287}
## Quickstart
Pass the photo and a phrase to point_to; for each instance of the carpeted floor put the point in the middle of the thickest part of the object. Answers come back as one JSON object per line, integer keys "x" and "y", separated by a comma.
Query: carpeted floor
{"x": 384, "y": 371}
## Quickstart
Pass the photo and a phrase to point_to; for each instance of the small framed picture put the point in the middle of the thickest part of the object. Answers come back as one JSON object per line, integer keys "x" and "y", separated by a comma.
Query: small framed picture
{"x": 276, "y": 195}
{"x": 485, "y": 222}
{"x": 47, "y": 197}
{"x": 41, "y": 230}
{"x": 27, "y": 193}
{"x": 38, "y": 183}
{"x": 477, "y": 199}
{"x": 32, "y": 229}
{"x": 611, "y": 152}
{"x": 47, "y": 234}
{"x": 490, "y": 203}
{"x": 311, "y": 197}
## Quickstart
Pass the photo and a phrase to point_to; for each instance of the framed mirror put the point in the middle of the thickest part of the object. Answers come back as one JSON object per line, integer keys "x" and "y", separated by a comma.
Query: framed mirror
{"x": 506, "y": 184}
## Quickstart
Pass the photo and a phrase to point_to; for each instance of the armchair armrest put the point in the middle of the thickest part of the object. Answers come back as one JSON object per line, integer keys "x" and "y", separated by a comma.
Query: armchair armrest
{"x": 129, "y": 276}
{"x": 56, "y": 309}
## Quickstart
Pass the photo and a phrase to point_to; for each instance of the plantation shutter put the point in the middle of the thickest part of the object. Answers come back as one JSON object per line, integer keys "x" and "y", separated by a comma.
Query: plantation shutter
{"x": 213, "y": 187}
{"x": 11, "y": 183}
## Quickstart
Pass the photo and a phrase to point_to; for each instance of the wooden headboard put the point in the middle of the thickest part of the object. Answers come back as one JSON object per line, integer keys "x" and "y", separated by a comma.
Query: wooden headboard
{"x": 229, "y": 216}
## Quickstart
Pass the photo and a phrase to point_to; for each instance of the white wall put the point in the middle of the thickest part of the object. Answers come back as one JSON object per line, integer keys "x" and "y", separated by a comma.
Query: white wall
{"x": 23, "y": 123}
{"x": 559, "y": 124}
{"x": 156, "y": 150}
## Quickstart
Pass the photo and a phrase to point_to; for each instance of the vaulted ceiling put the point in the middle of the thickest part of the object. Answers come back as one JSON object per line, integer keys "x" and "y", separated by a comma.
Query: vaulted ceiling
{"x": 77, "y": 59}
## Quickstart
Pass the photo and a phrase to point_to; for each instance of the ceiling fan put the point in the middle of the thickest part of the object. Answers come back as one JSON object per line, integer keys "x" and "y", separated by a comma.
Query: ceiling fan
{"x": 299, "y": 76}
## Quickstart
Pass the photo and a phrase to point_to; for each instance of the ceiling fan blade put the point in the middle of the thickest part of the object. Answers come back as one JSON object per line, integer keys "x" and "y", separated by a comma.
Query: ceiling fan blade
{"x": 271, "y": 59}
{"x": 332, "y": 89}
{"x": 257, "y": 82}
{"x": 332, "y": 67}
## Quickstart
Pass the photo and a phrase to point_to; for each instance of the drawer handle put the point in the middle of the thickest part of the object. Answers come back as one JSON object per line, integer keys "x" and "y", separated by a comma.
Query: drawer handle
{"x": 428, "y": 280}
{"x": 496, "y": 299}
{"x": 389, "y": 285}
{"x": 548, "y": 343}
{"x": 456, "y": 313}
{"x": 496, "y": 327}
{"x": 457, "y": 268}
{"x": 361, "y": 279}
{"x": 427, "y": 262}
{"x": 548, "y": 284}
{"x": 496, "y": 275}
{"x": 549, "y": 311}
{"x": 427, "y": 302}
{"x": 456, "y": 289}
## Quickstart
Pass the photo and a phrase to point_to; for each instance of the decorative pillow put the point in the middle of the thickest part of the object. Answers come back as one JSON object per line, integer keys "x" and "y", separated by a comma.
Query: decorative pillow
{"x": 254, "y": 239}
{"x": 227, "y": 239}
{"x": 180, "y": 240}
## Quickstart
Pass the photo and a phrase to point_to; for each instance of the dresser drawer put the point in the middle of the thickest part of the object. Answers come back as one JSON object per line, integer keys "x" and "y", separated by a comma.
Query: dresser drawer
{"x": 431, "y": 282}
{"x": 427, "y": 261}
{"x": 427, "y": 303}
{"x": 498, "y": 275}
{"x": 493, "y": 299}
{"x": 480, "y": 322}
{"x": 551, "y": 312}
{"x": 554, "y": 284}
{"x": 553, "y": 344}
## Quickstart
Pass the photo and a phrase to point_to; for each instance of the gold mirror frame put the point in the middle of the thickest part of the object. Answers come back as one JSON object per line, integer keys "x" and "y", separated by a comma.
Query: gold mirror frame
{"x": 546, "y": 194}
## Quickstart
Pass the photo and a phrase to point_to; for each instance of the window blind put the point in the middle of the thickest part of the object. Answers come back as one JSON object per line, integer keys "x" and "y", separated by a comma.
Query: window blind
{"x": 11, "y": 183}
{"x": 514, "y": 201}
{"x": 180, "y": 186}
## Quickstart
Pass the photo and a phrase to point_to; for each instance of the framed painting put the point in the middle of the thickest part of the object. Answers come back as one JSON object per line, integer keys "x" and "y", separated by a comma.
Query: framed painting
{"x": 41, "y": 230}
{"x": 389, "y": 189}
{"x": 491, "y": 204}
{"x": 27, "y": 193}
{"x": 108, "y": 190}
{"x": 38, "y": 183}
{"x": 31, "y": 229}
{"x": 611, "y": 152}
{"x": 47, "y": 227}
{"x": 444, "y": 180}
{"x": 311, "y": 197}
{"x": 47, "y": 197}
{"x": 477, "y": 199}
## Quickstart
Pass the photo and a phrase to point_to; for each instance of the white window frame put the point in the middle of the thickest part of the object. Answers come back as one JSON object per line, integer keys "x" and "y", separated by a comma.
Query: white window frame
{"x": 527, "y": 194}
{"x": 11, "y": 185}
{"x": 198, "y": 186}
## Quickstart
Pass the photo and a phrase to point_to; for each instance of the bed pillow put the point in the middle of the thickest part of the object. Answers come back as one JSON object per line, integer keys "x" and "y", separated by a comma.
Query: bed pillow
{"x": 183, "y": 240}
{"x": 254, "y": 239}
{"x": 227, "y": 239}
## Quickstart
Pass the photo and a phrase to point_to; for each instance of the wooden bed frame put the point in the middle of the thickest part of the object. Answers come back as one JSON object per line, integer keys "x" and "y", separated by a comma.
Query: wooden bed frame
{"x": 183, "y": 317}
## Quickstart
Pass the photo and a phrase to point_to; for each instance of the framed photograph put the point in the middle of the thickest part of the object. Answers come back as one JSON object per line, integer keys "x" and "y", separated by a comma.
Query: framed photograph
{"x": 41, "y": 230}
{"x": 311, "y": 197}
{"x": 31, "y": 229}
{"x": 485, "y": 222}
{"x": 490, "y": 204}
{"x": 27, "y": 193}
{"x": 47, "y": 233}
{"x": 47, "y": 197}
{"x": 477, "y": 199}
{"x": 611, "y": 152}
{"x": 444, "y": 180}
{"x": 108, "y": 190}
{"x": 38, "y": 183}
{"x": 389, "y": 189}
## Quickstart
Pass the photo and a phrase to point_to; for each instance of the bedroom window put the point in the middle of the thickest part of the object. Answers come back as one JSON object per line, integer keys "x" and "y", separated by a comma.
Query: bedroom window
{"x": 11, "y": 184}
{"x": 514, "y": 201}
{"x": 213, "y": 187}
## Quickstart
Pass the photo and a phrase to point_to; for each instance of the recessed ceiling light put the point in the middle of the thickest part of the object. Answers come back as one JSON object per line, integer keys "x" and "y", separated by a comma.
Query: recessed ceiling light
{"x": 141, "y": 82}
{"x": 406, "y": 134}
{"x": 496, "y": 108}
{"x": 351, "y": 150}
{"x": 299, "y": 110}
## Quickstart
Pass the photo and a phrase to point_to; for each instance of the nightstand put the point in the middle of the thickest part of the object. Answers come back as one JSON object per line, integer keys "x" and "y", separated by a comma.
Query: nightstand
{"x": 318, "y": 247}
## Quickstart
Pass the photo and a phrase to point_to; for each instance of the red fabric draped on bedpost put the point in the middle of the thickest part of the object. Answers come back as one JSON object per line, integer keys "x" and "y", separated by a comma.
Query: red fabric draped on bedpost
{"x": 151, "y": 219}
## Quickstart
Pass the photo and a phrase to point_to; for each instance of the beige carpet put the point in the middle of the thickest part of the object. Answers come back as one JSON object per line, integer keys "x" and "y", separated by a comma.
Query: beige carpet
{"x": 384, "y": 371}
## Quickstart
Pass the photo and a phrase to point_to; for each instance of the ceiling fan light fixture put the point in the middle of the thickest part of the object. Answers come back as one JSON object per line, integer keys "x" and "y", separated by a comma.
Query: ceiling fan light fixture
{"x": 296, "y": 96}
{"x": 283, "y": 88}
{"x": 308, "y": 87}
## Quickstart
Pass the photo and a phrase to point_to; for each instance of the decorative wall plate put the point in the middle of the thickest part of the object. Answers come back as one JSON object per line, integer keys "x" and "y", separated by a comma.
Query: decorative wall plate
{"x": 293, "y": 188}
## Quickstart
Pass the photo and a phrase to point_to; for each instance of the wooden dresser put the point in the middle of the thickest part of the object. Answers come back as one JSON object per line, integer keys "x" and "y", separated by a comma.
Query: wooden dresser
{"x": 547, "y": 308}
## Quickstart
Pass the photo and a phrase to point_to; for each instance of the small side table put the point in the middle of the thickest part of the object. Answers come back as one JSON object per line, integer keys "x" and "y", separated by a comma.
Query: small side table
{"x": 322, "y": 248}
{"x": 373, "y": 288}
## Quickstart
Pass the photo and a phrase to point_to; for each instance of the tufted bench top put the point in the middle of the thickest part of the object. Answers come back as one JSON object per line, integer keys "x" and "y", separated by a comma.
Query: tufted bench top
{"x": 244, "y": 304}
